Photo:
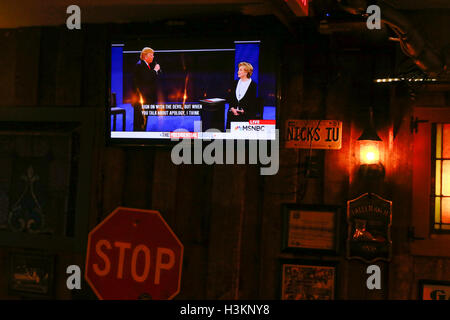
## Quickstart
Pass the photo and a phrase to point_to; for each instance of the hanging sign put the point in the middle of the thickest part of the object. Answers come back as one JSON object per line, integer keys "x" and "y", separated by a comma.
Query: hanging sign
{"x": 369, "y": 220}
{"x": 313, "y": 134}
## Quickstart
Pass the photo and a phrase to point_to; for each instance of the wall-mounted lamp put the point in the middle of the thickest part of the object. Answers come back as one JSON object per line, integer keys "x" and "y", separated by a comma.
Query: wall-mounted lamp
{"x": 369, "y": 151}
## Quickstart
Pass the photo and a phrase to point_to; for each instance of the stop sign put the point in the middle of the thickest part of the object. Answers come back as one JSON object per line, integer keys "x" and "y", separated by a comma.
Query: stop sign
{"x": 133, "y": 254}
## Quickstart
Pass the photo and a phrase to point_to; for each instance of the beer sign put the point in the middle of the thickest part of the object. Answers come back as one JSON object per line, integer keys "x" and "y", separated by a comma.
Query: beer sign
{"x": 313, "y": 134}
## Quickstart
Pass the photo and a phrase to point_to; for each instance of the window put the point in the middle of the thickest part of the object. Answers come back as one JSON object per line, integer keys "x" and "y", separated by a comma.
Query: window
{"x": 441, "y": 186}
{"x": 430, "y": 159}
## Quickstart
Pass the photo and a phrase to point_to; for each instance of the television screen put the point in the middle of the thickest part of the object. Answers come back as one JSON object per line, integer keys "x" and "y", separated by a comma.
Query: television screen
{"x": 171, "y": 88}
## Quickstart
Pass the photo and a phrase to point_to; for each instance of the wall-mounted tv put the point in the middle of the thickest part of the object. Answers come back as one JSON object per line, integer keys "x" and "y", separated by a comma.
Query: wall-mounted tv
{"x": 166, "y": 88}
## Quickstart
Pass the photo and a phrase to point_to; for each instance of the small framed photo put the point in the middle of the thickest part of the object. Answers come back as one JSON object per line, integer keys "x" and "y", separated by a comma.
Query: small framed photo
{"x": 303, "y": 280}
{"x": 311, "y": 228}
{"x": 434, "y": 290}
{"x": 31, "y": 274}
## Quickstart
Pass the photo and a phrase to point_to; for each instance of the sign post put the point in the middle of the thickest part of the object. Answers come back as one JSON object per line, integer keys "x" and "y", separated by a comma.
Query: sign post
{"x": 134, "y": 254}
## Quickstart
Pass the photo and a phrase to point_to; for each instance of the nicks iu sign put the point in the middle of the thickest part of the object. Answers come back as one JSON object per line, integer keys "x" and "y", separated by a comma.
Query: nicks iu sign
{"x": 313, "y": 134}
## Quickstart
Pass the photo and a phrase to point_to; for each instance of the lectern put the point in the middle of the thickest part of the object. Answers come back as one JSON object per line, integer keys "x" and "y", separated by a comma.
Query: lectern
{"x": 213, "y": 114}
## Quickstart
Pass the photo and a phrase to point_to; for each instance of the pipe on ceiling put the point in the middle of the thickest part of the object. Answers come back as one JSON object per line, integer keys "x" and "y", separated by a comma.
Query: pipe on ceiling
{"x": 411, "y": 41}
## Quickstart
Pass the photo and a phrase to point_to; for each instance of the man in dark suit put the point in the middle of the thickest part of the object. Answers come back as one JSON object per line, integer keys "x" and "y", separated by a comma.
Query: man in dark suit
{"x": 144, "y": 85}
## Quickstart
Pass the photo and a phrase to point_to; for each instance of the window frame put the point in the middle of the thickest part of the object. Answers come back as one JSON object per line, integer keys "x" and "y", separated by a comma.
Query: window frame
{"x": 433, "y": 243}
{"x": 433, "y": 194}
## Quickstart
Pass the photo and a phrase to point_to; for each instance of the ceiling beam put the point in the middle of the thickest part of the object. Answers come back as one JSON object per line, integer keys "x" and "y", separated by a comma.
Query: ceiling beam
{"x": 284, "y": 14}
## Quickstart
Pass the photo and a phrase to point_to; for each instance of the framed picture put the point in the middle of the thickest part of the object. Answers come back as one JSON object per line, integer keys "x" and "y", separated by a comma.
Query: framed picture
{"x": 46, "y": 159}
{"x": 303, "y": 280}
{"x": 434, "y": 290}
{"x": 311, "y": 228}
{"x": 31, "y": 274}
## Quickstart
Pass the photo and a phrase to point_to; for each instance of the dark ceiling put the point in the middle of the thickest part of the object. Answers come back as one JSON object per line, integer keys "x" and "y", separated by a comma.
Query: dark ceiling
{"x": 22, "y": 13}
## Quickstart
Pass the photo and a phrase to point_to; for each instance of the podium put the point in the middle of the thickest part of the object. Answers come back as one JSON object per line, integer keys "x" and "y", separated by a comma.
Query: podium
{"x": 213, "y": 114}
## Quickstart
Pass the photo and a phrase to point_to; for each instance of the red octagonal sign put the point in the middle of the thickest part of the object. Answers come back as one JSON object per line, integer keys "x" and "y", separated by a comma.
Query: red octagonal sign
{"x": 133, "y": 254}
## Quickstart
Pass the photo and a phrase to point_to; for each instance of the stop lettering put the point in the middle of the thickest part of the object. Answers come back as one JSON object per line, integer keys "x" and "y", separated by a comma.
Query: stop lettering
{"x": 103, "y": 248}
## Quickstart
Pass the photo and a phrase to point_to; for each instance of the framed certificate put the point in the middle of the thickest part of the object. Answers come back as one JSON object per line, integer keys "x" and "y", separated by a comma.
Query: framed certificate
{"x": 307, "y": 280}
{"x": 311, "y": 228}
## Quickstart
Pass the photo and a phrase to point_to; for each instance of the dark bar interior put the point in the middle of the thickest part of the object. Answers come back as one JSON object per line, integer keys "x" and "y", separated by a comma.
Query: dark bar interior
{"x": 98, "y": 202}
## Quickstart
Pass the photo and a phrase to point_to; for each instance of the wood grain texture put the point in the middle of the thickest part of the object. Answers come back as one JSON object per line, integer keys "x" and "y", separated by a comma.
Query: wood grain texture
{"x": 137, "y": 189}
{"x": 48, "y": 66}
{"x": 69, "y": 72}
{"x": 8, "y": 66}
{"x": 26, "y": 80}
{"x": 113, "y": 180}
{"x": 192, "y": 225}
{"x": 228, "y": 192}
{"x": 164, "y": 194}
{"x": 95, "y": 66}
{"x": 250, "y": 255}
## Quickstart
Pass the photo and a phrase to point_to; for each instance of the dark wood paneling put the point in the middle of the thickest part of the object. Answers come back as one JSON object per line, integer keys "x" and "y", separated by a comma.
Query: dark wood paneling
{"x": 113, "y": 180}
{"x": 27, "y": 66}
{"x": 48, "y": 66}
{"x": 192, "y": 215}
{"x": 250, "y": 259}
{"x": 276, "y": 192}
{"x": 193, "y": 276}
{"x": 227, "y": 209}
{"x": 69, "y": 71}
{"x": 7, "y": 66}
{"x": 4, "y": 269}
{"x": 399, "y": 177}
{"x": 164, "y": 186}
{"x": 401, "y": 278}
{"x": 137, "y": 189}
{"x": 96, "y": 66}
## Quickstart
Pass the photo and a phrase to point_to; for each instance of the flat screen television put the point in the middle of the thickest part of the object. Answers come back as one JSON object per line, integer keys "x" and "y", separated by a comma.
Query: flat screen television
{"x": 188, "y": 88}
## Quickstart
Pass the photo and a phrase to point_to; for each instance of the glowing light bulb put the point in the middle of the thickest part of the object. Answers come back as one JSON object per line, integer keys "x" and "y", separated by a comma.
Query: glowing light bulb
{"x": 369, "y": 152}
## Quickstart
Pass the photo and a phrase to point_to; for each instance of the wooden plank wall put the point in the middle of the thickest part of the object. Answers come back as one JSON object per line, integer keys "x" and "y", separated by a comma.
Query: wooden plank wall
{"x": 228, "y": 217}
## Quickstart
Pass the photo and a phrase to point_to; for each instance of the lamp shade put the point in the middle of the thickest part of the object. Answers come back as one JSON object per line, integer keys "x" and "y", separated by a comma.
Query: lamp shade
{"x": 369, "y": 133}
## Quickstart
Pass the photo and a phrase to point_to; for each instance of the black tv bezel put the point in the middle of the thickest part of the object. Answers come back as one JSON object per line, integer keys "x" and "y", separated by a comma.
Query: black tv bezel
{"x": 271, "y": 39}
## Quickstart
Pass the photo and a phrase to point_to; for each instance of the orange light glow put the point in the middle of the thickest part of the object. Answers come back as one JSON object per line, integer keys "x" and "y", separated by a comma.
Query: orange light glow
{"x": 446, "y": 142}
{"x": 369, "y": 152}
{"x": 445, "y": 210}
{"x": 141, "y": 100}
{"x": 445, "y": 180}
